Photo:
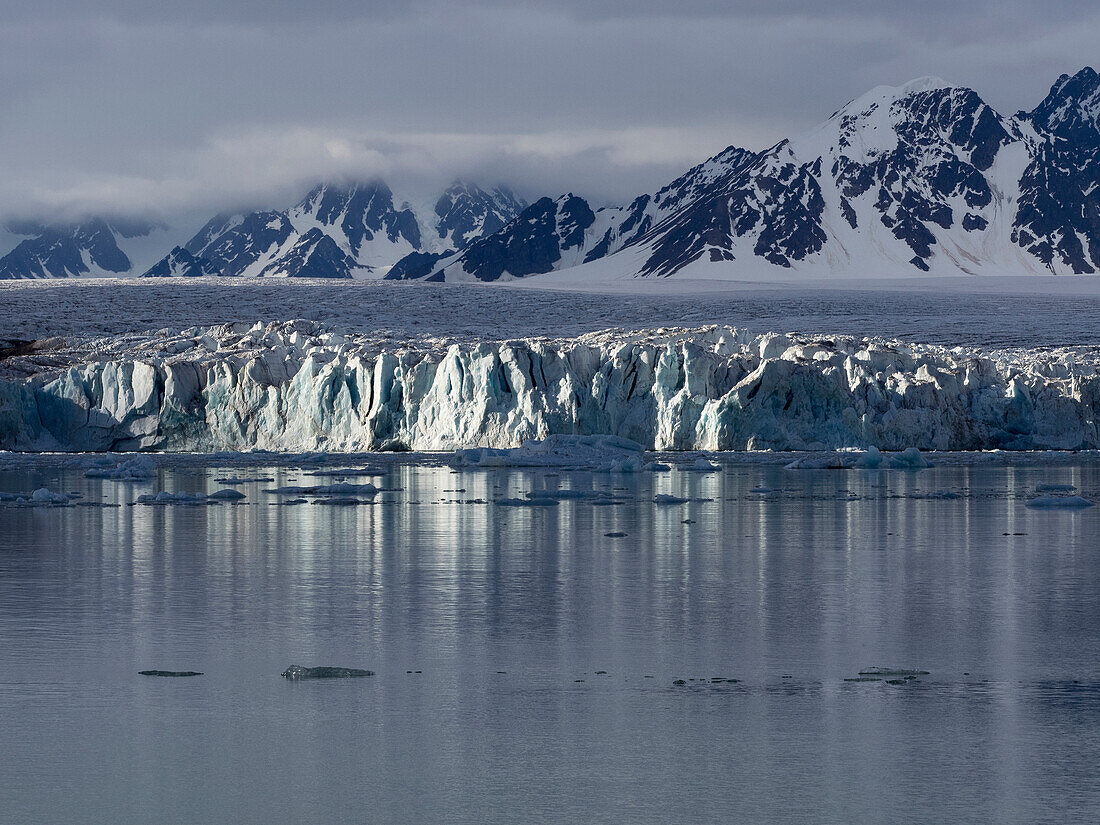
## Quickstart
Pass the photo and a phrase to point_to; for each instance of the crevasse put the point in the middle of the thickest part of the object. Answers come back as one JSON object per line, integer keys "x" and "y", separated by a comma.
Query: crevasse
{"x": 298, "y": 387}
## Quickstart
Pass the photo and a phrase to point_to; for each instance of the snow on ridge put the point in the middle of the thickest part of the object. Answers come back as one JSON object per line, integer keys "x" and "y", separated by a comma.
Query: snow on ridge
{"x": 300, "y": 386}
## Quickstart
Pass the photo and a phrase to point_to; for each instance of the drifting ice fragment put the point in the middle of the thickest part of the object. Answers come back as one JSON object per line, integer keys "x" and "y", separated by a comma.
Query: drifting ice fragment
{"x": 700, "y": 465}
{"x": 138, "y": 468}
{"x": 172, "y": 498}
{"x": 908, "y": 459}
{"x": 1055, "y": 488}
{"x": 342, "y": 489}
{"x": 1059, "y": 502}
{"x": 44, "y": 496}
{"x": 602, "y": 453}
{"x": 664, "y": 498}
{"x": 227, "y": 495}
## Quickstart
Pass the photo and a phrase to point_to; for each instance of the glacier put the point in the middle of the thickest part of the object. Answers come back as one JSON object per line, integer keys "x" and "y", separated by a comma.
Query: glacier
{"x": 301, "y": 386}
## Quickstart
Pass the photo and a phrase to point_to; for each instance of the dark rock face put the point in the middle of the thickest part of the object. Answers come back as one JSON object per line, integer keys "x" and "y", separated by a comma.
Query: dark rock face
{"x": 467, "y": 212}
{"x": 362, "y": 211}
{"x": 416, "y": 265}
{"x": 214, "y": 228}
{"x": 533, "y": 242}
{"x": 243, "y": 242}
{"x": 298, "y": 673}
{"x": 64, "y": 251}
{"x": 915, "y": 176}
{"x": 180, "y": 262}
{"x": 315, "y": 255}
{"x": 327, "y": 233}
{"x": 1058, "y": 220}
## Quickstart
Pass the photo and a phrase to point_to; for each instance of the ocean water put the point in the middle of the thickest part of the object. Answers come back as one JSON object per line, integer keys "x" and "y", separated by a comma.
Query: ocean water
{"x": 488, "y": 628}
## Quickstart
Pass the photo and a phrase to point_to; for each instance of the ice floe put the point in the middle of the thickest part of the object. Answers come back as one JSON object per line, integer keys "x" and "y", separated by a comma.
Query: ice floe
{"x": 1059, "y": 502}
{"x": 602, "y": 453}
{"x": 138, "y": 468}
{"x": 908, "y": 459}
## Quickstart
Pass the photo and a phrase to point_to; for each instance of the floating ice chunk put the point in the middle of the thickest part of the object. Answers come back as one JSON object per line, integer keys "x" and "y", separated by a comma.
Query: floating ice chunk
{"x": 226, "y": 495}
{"x": 870, "y": 459}
{"x": 233, "y": 481}
{"x": 656, "y": 467}
{"x": 562, "y": 495}
{"x": 349, "y": 472}
{"x": 138, "y": 468}
{"x": 1059, "y": 502}
{"x": 1051, "y": 487}
{"x": 664, "y": 498}
{"x": 527, "y": 502}
{"x": 45, "y": 496}
{"x": 605, "y": 453}
{"x": 700, "y": 465}
{"x": 339, "y": 489}
{"x": 909, "y": 459}
{"x": 172, "y": 498}
{"x": 826, "y": 461}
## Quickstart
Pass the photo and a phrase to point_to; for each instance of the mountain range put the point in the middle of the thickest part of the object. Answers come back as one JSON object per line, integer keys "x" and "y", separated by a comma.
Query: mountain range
{"x": 921, "y": 178}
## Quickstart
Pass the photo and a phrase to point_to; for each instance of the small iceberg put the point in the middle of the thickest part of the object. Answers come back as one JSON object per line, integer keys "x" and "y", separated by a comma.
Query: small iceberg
{"x": 232, "y": 481}
{"x": 1051, "y": 487}
{"x": 665, "y": 498}
{"x": 138, "y": 468}
{"x": 872, "y": 459}
{"x": 339, "y": 489}
{"x": 227, "y": 495}
{"x": 700, "y": 465}
{"x": 908, "y": 459}
{"x": 1059, "y": 503}
{"x": 527, "y": 502}
{"x": 600, "y": 453}
{"x": 297, "y": 673}
{"x": 173, "y": 498}
{"x": 42, "y": 496}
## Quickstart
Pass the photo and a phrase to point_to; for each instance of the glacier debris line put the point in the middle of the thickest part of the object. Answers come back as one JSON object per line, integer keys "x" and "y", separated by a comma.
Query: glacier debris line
{"x": 299, "y": 386}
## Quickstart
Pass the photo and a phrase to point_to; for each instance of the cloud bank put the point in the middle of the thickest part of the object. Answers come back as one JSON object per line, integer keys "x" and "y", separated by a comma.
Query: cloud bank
{"x": 128, "y": 107}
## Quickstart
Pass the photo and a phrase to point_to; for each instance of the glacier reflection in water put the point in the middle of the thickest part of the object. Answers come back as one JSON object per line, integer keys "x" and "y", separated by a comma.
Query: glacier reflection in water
{"x": 488, "y": 626}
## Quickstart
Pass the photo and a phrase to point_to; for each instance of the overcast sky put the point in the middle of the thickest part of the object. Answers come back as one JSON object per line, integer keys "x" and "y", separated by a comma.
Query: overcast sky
{"x": 172, "y": 109}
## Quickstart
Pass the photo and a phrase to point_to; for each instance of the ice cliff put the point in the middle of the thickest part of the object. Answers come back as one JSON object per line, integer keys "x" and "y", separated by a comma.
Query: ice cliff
{"x": 298, "y": 386}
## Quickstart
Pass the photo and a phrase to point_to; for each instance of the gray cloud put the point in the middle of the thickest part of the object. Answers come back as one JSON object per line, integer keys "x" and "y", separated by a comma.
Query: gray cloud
{"x": 129, "y": 106}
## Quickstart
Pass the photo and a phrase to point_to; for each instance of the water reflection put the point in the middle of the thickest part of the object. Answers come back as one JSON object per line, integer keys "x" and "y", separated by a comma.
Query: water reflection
{"x": 508, "y": 614}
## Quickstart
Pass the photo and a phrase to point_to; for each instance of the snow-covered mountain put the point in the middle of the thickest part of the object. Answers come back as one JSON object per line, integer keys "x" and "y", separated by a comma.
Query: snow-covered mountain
{"x": 920, "y": 178}
{"x": 96, "y": 246}
{"x": 925, "y": 177}
{"x": 340, "y": 231}
{"x": 557, "y": 234}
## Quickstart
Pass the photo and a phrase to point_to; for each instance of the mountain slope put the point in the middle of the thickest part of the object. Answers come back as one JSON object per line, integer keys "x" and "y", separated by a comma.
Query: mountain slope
{"x": 555, "y": 234}
{"x": 924, "y": 177}
{"x": 340, "y": 231}
{"x": 94, "y": 246}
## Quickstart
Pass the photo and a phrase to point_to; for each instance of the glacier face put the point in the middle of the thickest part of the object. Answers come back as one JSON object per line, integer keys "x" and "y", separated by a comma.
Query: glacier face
{"x": 297, "y": 386}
